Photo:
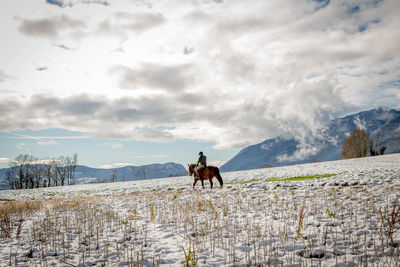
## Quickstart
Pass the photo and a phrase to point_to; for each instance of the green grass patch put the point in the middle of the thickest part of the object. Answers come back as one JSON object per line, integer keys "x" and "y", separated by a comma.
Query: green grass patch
{"x": 244, "y": 182}
{"x": 282, "y": 179}
{"x": 300, "y": 178}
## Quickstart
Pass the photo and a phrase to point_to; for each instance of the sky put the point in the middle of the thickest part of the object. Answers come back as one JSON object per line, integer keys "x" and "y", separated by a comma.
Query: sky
{"x": 134, "y": 82}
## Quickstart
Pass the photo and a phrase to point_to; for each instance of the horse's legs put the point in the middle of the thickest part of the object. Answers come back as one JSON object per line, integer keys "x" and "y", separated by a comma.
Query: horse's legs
{"x": 218, "y": 175}
{"x": 202, "y": 183}
{"x": 211, "y": 183}
{"x": 194, "y": 182}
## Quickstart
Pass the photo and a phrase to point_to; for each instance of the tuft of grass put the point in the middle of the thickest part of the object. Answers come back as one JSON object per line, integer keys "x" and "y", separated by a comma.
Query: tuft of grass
{"x": 191, "y": 257}
{"x": 200, "y": 205}
{"x": 134, "y": 216}
{"x": 330, "y": 213}
{"x": 392, "y": 220}
{"x": 12, "y": 213}
{"x": 302, "y": 214}
{"x": 152, "y": 213}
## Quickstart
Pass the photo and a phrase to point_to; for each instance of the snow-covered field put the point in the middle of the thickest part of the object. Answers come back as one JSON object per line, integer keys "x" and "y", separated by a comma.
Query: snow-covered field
{"x": 339, "y": 213}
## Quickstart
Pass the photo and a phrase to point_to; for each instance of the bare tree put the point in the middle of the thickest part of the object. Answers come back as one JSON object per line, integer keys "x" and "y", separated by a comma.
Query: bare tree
{"x": 47, "y": 175}
{"x": 377, "y": 146}
{"x": 12, "y": 178}
{"x": 357, "y": 144}
{"x": 61, "y": 170}
{"x": 50, "y": 176}
{"x": 22, "y": 167}
{"x": 37, "y": 173}
{"x": 71, "y": 166}
{"x": 66, "y": 169}
{"x": 27, "y": 171}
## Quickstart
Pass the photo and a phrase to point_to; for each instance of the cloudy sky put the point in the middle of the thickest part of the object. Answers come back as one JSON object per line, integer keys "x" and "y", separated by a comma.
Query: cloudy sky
{"x": 137, "y": 81}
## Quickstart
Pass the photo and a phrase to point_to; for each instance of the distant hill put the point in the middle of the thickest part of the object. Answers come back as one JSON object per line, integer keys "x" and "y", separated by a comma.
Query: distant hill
{"x": 85, "y": 174}
{"x": 130, "y": 173}
{"x": 382, "y": 122}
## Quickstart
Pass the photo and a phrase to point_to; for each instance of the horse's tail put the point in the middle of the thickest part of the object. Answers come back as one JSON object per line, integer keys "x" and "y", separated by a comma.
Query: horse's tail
{"x": 219, "y": 177}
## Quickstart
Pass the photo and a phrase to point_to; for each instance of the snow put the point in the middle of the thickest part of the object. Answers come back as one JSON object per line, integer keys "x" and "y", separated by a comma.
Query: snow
{"x": 346, "y": 219}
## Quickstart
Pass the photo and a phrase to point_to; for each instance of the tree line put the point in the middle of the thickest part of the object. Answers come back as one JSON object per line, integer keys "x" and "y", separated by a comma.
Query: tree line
{"x": 27, "y": 171}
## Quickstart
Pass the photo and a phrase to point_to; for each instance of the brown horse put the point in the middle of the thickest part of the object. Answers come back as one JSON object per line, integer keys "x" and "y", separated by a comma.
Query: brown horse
{"x": 208, "y": 173}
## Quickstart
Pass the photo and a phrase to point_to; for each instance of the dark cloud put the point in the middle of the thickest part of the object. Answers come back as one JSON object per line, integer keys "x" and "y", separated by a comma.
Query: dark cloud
{"x": 51, "y": 106}
{"x": 199, "y": 17}
{"x": 151, "y": 110}
{"x": 49, "y": 27}
{"x": 145, "y": 118}
{"x": 82, "y": 105}
{"x": 170, "y": 78}
{"x": 44, "y": 102}
{"x": 127, "y": 114}
{"x": 300, "y": 112}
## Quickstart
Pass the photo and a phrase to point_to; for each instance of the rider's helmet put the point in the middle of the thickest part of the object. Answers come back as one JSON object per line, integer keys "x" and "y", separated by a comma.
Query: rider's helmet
{"x": 200, "y": 153}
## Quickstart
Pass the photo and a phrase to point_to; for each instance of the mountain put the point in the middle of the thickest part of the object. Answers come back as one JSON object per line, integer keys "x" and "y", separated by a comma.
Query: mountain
{"x": 85, "y": 174}
{"x": 382, "y": 124}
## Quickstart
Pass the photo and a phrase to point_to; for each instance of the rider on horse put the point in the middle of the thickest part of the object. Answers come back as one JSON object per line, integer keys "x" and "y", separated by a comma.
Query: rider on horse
{"x": 200, "y": 164}
{"x": 203, "y": 172}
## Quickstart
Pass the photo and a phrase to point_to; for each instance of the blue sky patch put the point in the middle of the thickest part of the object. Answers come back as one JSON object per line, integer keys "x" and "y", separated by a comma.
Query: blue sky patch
{"x": 55, "y": 2}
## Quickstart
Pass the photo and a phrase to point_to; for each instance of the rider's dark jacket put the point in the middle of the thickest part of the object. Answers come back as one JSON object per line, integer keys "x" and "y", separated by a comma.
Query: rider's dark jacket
{"x": 202, "y": 160}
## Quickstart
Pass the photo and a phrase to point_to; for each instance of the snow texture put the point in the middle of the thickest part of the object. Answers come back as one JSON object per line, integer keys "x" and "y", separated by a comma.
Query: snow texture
{"x": 340, "y": 219}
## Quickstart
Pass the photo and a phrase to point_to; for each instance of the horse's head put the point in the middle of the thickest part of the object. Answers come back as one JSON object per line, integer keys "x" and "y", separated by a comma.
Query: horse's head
{"x": 191, "y": 169}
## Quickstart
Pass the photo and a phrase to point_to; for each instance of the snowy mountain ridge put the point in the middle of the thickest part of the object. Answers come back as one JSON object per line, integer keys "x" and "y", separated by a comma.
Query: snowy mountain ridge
{"x": 381, "y": 123}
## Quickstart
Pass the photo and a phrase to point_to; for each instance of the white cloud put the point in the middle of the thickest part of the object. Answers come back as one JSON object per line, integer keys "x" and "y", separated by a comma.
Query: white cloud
{"x": 47, "y": 143}
{"x": 266, "y": 146}
{"x": 302, "y": 152}
{"x": 50, "y": 27}
{"x": 22, "y": 146}
{"x": 4, "y": 160}
{"x": 45, "y": 161}
{"x": 115, "y": 145}
{"x": 229, "y": 72}
{"x": 116, "y": 165}
{"x": 359, "y": 123}
{"x": 4, "y": 77}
